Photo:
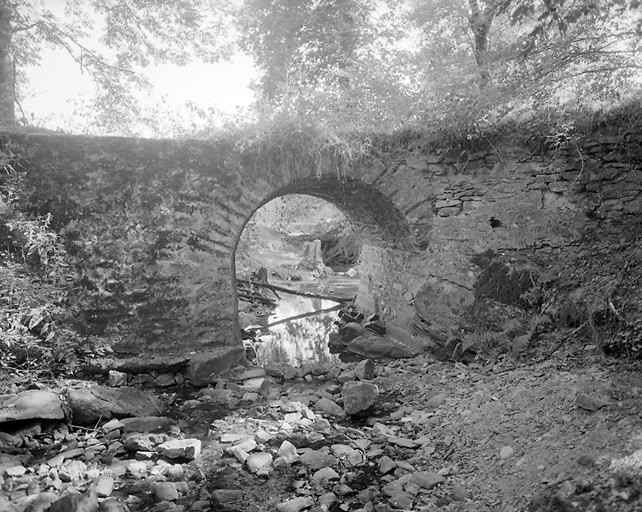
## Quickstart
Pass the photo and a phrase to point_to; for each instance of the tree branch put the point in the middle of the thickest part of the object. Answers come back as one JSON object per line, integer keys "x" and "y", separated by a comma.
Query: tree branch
{"x": 71, "y": 41}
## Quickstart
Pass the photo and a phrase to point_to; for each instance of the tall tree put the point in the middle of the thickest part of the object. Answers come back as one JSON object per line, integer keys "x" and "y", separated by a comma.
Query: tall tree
{"x": 111, "y": 40}
{"x": 488, "y": 59}
{"x": 7, "y": 85}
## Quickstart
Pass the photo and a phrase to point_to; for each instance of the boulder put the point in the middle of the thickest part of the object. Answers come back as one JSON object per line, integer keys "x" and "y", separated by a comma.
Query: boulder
{"x": 204, "y": 367}
{"x": 379, "y": 347}
{"x": 33, "y": 404}
{"x": 89, "y": 405}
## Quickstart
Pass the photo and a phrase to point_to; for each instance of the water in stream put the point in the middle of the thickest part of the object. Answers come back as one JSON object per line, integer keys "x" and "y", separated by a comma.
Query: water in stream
{"x": 303, "y": 340}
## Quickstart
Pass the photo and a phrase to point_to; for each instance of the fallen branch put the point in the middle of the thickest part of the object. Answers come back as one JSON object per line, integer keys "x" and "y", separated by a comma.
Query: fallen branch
{"x": 295, "y": 292}
{"x": 305, "y": 315}
{"x": 243, "y": 294}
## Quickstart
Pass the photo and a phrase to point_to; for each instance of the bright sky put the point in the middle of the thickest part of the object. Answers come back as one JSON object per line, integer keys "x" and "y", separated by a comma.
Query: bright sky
{"x": 58, "y": 83}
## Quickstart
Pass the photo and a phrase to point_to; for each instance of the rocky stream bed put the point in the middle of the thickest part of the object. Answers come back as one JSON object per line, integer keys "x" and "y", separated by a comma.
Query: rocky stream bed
{"x": 560, "y": 435}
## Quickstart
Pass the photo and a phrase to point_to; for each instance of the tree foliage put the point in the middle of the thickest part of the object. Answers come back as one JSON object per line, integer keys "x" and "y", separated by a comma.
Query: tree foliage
{"x": 111, "y": 40}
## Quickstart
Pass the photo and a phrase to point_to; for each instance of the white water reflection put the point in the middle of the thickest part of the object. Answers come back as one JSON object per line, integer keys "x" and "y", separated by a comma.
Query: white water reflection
{"x": 300, "y": 341}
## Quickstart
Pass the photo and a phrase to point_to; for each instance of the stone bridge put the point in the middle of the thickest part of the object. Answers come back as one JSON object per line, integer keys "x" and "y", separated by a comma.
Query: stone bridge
{"x": 153, "y": 225}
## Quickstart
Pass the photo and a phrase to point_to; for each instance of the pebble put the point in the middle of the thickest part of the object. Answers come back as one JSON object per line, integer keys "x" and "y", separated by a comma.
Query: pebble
{"x": 506, "y": 452}
{"x": 259, "y": 462}
{"x": 104, "y": 486}
{"x": 73, "y": 471}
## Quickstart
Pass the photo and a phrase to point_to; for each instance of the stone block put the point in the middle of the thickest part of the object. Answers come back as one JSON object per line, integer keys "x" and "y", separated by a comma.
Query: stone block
{"x": 205, "y": 367}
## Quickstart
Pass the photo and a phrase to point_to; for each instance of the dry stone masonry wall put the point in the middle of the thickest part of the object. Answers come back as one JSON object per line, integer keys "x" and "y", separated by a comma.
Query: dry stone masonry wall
{"x": 153, "y": 225}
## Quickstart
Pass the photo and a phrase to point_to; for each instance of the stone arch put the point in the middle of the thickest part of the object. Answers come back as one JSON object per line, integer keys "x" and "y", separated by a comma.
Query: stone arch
{"x": 384, "y": 229}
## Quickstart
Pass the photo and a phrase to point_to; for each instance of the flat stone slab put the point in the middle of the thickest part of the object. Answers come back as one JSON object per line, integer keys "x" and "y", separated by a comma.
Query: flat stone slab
{"x": 33, "y": 404}
{"x": 90, "y": 405}
{"x": 206, "y": 366}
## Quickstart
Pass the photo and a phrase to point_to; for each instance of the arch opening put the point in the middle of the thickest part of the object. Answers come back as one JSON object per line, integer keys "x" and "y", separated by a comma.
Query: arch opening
{"x": 380, "y": 244}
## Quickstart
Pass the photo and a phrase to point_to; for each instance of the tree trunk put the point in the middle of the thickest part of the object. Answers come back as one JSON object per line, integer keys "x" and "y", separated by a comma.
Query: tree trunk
{"x": 480, "y": 21}
{"x": 7, "y": 79}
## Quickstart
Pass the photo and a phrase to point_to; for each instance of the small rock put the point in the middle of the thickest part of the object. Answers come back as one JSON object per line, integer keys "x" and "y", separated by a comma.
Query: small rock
{"x": 436, "y": 401}
{"x": 138, "y": 442}
{"x": 316, "y": 459}
{"x": 288, "y": 452}
{"x": 589, "y": 402}
{"x": 349, "y": 455}
{"x": 73, "y": 471}
{"x": 262, "y": 437}
{"x": 15, "y": 471}
{"x": 364, "y": 370}
{"x": 324, "y": 475}
{"x": 459, "y": 493}
{"x": 165, "y": 491}
{"x": 247, "y": 445}
{"x": 113, "y": 505}
{"x": 117, "y": 379}
{"x": 137, "y": 469}
{"x": 224, "y": 496}
{"x": 293, "y": 417}
{"x": 175, "y": 472}
{"x": 270, "y": 389}
{"x": 386, "y": 464}
{"x": 259, "y": 462}
{"x": 427, "y": 479}
{"x": 506, "y": 452}
{"x": 359, "y": 397}
{"x": 164, "y": 380}
{"x": 402, "y": 500}
{"x": 233, "y": 438}
{"x": 105, "y": 486}
{"x": 327, "y": 500}
{"x": 76, "y": 502}
{"x": 39, "y": 503}
{"x": 249, "y": 373}
{"x": 404, "y": 442}
{"x": 329, "y": 407}
{"x": 112, "y": 424}
{"x": 295, "y": 504}
{"x": 187, "y": 449}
